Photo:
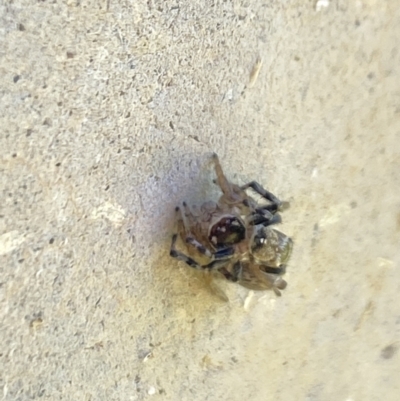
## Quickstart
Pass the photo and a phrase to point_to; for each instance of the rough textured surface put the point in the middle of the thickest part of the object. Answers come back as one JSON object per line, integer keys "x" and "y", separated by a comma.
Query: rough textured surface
{"x": 109, "y": 111}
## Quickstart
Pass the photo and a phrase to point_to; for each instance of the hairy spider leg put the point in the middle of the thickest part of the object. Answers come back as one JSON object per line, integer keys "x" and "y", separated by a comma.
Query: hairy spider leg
{"x": 185, "y": 221}
{"x": 238, "y": 269}
{"x": 274, "y": 270}
{"x": 228, "y": 275}
{"x": 220, "y": 257}
{"x": 222, "y": 181}
{"x": 264, "y": 217}
{"x": 277, "y": 204}
{"x": 273, "y": 281}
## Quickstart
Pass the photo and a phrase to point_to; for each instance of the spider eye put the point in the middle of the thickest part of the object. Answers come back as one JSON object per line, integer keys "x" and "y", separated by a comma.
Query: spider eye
{"x": 259, "y": 240}
{"x": 227, "y": 231}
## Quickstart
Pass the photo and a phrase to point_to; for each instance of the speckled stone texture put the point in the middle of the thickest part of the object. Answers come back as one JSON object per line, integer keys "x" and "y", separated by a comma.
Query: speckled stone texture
{"x": 109, "y": 112}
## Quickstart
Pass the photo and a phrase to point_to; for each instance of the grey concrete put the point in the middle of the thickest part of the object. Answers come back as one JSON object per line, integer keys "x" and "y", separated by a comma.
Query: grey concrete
{"x": 109, "y": 111}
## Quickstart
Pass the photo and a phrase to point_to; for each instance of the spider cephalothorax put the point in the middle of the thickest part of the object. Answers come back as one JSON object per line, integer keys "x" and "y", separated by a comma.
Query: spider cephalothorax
{"x": 234, "y": 236}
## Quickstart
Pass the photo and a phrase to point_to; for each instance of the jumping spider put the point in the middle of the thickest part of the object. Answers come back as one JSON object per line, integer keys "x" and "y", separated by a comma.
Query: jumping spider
{"x": 235, "y": 236}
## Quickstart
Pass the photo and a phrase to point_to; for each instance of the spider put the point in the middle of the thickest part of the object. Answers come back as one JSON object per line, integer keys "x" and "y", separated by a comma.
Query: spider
{"x": 234, "y": 236}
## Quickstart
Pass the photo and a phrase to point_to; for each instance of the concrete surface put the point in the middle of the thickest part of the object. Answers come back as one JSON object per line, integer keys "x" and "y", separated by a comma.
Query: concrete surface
{"x": 109, "y": 113}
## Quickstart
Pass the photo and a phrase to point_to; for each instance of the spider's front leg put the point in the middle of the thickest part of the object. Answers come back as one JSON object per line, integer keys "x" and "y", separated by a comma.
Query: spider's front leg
{"x": 221, "y": 180}
{"x": 276, "y": 204}
{"x": 220, "y": 257}
{"x": 185, "y": 221}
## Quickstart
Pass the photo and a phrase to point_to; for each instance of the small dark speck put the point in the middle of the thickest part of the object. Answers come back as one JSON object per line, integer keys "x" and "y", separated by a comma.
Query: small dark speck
{"x": 70, "y": 55}
{"x": 371, "y": 75}
{"x": 14, "y": 155}
{"x": 28, "y": 132}
{"x": 21, "y": 27}
{"x": 131, "y": 235}
{"x": 195, "y": 137}
{"x": 161, "y": 391}
{"x": 171, "y": 125}
{"x": 388, "y": 352}
{"x": 314, "y": 238}
{"x": 58, "y": 164}
{"x": 20, "y": 260}
{"x": 107, "y": 188}
{"x": 16, "y": 78}
{"x": 51, "y": 241}
{"x": 234, "y": 359}
{"x": 59, "y": 104}
{"x": 353, "y": 204}
{"x": 357, "y": 22}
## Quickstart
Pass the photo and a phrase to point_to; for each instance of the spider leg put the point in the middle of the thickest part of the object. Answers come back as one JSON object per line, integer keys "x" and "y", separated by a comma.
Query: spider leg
{"x": 277, "y": 204}
{"x": 227, "y": 275}
{"x": 222, "y": 181}
{"x": 251, "y": 276}
{"x": 188, "y": 214}
{"x": 271, "y": 274}
{"x": 214, "y": 288}
{"x": 220, "y": 257}
{"x": 279, "y": 284}
{"x": 264, "y": 217}
{"x": 185, "y": 221}
{"x": 274, "y": 270}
